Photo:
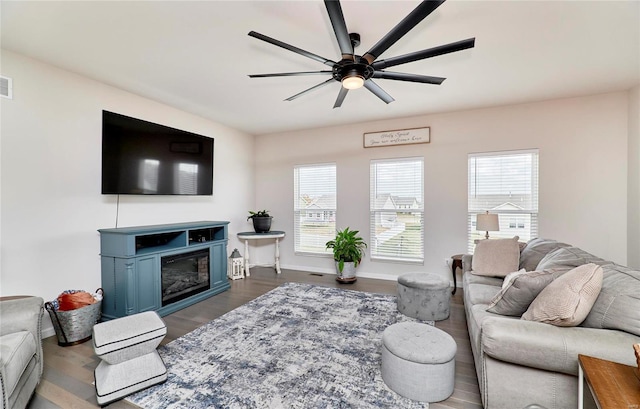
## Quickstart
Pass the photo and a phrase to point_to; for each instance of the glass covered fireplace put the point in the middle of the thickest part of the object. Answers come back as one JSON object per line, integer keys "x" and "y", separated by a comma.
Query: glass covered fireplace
{"x": 184, "y": 275}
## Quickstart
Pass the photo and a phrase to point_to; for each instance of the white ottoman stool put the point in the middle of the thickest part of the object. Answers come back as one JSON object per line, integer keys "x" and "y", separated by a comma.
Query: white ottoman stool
{"x": 418, "y": 361}
{"x": 424, "y": 296}
{"x": 127, "y": 348}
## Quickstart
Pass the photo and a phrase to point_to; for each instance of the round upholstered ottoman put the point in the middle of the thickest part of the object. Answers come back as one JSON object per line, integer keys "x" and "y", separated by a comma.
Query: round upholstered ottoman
{"x": 424, "y": 296}
{"x": 418, "y": 361}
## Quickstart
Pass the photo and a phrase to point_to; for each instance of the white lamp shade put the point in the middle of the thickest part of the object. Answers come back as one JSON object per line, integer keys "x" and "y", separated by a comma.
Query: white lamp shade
{"x": 487, "y": 222}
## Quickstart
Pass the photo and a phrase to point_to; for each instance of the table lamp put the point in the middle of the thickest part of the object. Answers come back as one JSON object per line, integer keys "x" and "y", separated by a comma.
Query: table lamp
{"x": 487, "y": 222}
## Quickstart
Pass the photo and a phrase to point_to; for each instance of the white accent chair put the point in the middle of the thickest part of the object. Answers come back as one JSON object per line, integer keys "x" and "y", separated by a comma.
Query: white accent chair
{"x": 21, "y": 357}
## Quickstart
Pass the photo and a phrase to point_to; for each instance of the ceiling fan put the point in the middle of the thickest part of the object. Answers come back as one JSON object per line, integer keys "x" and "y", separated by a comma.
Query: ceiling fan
{"x": 355, "y": 71}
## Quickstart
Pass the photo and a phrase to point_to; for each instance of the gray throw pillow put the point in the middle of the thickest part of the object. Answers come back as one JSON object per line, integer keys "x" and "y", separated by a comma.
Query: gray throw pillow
{"x": 519, "y": 290}
{"x": 496, "y": 257}
{"x": 566, "y": 302}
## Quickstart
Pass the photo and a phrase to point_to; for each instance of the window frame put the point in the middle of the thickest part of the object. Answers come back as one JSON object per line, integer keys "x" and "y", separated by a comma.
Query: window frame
{"x": 510, "y": 216}
{"x": 316, "y": 213}
{"x": 374, "y": 211}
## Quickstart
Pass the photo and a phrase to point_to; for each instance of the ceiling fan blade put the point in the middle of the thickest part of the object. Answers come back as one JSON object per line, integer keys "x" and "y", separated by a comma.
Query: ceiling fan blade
{"x": 339, "y": 28}
{"x": 416, "y": 16}
{"x": 340, "y": 99}
{"x": 401, "y": 76}
{"x": 428, "y": 53}
{"x": 292, "y": 48}
{"x": 377, "y": 91}
{"x": 309, "y": 90}
{"x": 289, "y": 74}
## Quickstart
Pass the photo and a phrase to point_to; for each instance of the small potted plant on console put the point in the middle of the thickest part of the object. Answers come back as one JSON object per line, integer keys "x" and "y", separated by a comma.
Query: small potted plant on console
{"x": 261, "y": 220}
{"x": 348, "y": 250}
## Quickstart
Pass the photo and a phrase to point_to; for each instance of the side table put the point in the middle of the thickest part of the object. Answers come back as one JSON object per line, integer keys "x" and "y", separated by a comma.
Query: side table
{"x": 612, "y": 385}
{"x": 249, "y": 235}
{"x": 456, "y": 262}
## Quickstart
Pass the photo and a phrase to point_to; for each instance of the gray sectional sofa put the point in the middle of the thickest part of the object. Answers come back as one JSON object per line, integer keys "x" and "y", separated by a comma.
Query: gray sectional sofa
{"x": 521, "y": 362}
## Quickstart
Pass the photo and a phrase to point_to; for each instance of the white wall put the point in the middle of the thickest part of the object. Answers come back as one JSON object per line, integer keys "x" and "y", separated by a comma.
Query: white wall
{"x": 50, "y": 168}
{"x": 583, "y": 175}
{"x": 51, "y": 206}
{"x": 633, "y": 246}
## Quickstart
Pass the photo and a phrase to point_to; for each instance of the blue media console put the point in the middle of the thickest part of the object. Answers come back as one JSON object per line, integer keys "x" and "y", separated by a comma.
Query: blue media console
{"x": 162, "y": 268}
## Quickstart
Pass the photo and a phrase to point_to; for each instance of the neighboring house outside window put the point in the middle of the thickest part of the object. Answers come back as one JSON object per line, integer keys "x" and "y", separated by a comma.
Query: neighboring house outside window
{"x": 505, "y": 183}
{"x": 397, "y": 209}
{"x": 314, "y": 208}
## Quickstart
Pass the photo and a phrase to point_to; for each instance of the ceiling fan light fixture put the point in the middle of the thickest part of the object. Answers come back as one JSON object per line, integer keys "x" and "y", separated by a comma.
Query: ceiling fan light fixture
{"x": 353, "y": 70}
{"x": 353, "y": 81}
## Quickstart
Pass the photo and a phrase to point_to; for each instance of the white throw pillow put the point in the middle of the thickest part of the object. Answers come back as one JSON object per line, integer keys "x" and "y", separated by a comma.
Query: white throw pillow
{"x": 496, "y": 257}
{"x": 567, "y": 300}
{"x": 510, "y": 278}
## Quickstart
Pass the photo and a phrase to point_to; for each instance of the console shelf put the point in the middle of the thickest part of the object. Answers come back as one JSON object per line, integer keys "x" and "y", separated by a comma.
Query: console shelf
{"x": 131, "y": 264}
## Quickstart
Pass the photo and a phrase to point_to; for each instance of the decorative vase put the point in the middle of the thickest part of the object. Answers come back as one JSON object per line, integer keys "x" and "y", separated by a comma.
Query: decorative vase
{"x": 348, "y": 273}
{"x": 262, "y": 224}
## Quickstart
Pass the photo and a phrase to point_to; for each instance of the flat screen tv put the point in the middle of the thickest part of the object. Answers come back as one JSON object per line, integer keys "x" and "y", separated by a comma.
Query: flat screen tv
{"x": 143, "y": 158}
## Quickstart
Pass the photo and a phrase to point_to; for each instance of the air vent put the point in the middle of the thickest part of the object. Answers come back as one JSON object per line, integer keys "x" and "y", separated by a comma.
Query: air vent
{"x": 6, "y": 87}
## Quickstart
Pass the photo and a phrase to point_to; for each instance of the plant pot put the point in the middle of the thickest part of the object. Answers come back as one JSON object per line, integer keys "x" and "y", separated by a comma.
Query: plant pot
{"x": 348, "y": 273}
{"x": 262, "y": 224}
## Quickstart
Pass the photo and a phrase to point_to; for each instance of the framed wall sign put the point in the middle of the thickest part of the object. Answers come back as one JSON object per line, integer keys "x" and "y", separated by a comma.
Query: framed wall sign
{"x": 397, "y": 137}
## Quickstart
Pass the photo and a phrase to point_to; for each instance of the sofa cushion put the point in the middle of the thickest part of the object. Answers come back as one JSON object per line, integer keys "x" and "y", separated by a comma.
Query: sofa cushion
{"x": 519, "y": 290}
{"x": 618, "y": 305}
{"x": 16, "y": 350}
{"x": 476, "y": 279}
{"x": 551, "y": 348}
{"x": 496, "y": 257}
{"x": 568, "y": 257}
{"x": 535, "y": 250}
{"x": 481, "y": 293}
{"x": 566, "y": 302}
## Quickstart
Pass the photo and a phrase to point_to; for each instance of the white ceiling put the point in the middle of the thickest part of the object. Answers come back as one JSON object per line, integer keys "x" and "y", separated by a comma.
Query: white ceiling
{"x": 196, "y": 55}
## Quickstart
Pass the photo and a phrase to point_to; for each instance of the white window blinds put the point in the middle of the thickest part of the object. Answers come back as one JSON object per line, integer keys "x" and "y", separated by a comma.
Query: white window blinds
{"x": 396, "y": 209}
{"x": 314, "y": 207}
{"x": 504, "y": 183}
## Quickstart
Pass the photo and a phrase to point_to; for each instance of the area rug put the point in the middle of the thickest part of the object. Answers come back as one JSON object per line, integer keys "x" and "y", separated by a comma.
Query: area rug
{"x": 297, "y": 346}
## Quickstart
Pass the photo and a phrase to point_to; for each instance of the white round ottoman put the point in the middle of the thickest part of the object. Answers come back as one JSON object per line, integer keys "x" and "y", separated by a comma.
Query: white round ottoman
{"x": 418, "y": 361}
{"x": 424, "y": 296}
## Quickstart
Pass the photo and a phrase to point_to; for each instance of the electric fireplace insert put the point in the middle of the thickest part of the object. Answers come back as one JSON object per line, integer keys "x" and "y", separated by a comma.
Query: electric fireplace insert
{"x": 184, "y": 275}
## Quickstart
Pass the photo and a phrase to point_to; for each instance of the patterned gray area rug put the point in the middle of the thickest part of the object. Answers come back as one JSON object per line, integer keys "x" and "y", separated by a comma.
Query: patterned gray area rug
{"x": 297, "y": 346}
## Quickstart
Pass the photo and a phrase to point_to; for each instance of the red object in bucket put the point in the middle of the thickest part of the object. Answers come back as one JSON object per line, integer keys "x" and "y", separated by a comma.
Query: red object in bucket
{"x": 68, "y": 302}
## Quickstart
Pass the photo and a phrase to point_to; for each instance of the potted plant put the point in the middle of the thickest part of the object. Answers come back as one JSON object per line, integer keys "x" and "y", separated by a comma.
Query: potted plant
{"x": 348, "y": 250}
{"x": 261, "y": 220}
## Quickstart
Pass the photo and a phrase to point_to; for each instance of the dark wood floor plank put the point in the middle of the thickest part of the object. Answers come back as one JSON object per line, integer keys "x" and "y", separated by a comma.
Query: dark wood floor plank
{"x": 68, "y": 377}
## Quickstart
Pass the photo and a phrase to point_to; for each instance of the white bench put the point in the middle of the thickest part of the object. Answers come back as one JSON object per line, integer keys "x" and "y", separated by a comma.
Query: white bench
{"x": 130, "y": 361}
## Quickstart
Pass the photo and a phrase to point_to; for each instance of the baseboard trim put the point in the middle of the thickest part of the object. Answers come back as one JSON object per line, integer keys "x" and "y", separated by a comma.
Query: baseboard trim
{"x": 379, "y": 276}
{"x": 48, "y": 332}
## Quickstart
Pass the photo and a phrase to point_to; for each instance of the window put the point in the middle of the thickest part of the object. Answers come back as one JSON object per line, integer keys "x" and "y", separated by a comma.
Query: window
{"x": 505, "y": 183}
{"x": 314, "y": 208}
{"x": 397, "y": 210}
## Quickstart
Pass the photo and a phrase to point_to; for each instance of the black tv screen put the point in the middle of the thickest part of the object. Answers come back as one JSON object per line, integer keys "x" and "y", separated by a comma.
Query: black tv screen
{"x": 143, "y": 158}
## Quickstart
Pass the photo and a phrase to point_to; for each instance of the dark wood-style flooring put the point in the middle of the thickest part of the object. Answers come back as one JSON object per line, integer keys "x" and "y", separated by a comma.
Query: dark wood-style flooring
{"x": 67, "y": 381}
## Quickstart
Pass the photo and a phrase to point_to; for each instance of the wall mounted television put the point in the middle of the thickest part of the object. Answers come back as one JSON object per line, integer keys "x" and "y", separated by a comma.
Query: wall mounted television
{"x": 144, "y": 158}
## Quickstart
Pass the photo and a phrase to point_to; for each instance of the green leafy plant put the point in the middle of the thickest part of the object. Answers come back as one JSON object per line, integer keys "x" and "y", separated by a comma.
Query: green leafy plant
{"x": 259, "y": 213}
{"x": 347, "y": 247}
